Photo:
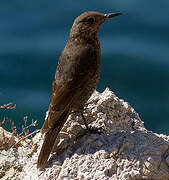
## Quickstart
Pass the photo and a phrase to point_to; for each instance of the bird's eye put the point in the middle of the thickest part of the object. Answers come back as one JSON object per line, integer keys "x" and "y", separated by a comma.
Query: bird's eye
{"x": 91, "y": 20}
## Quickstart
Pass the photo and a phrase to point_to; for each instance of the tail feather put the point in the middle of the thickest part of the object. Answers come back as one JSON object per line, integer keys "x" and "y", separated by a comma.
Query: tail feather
{"x": 49, "y": 141}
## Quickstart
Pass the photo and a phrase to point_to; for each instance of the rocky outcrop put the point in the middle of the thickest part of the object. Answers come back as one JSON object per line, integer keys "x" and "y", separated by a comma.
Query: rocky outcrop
{"x": 124, "y": 150}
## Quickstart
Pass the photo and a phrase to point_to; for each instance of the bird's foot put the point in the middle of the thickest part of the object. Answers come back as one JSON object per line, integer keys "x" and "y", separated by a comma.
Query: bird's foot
{"x": 95, "y": 130}
{"x": 90, "y": 128}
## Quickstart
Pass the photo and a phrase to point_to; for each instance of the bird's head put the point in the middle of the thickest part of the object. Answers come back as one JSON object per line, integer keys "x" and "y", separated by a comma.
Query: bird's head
{"x": 88, "y": 23}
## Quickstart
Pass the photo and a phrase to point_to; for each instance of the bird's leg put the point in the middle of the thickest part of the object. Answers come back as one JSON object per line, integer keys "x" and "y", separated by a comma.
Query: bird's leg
{"x": 84, "y": 120}
{"x": 90, "y": 129}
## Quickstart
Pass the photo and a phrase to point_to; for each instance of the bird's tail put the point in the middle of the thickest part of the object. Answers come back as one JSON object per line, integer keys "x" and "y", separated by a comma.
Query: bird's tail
{"x": 49, "y": 141}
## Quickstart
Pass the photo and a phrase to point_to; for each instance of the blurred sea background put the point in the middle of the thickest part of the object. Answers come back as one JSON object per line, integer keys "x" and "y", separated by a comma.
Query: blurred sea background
{"x": 135, "y": 55}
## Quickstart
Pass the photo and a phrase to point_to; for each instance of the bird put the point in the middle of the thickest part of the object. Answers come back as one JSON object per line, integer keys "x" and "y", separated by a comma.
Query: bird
{"x": 76, "y": 77}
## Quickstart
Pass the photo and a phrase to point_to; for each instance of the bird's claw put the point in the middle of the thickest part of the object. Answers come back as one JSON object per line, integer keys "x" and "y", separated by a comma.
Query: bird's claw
{"x": 95, "y": 130}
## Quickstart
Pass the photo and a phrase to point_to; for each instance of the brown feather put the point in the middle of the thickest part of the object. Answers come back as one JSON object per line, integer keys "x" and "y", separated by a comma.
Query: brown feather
{"x": 49, "y": 141}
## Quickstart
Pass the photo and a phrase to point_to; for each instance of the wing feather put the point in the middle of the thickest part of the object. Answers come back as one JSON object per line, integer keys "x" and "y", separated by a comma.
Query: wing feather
{"x": 72, "y": 74}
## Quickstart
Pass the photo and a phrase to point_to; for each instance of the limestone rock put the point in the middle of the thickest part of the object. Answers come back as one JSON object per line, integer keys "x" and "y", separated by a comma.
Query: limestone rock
{"x": 125, "y": 150}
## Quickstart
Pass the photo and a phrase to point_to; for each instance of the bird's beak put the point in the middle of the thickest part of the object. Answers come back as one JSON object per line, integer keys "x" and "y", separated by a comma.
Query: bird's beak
{"x": 111, "y": 15}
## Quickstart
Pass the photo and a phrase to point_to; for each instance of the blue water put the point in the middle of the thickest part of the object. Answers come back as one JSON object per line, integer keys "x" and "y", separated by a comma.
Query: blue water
{"x": 135, "y": 55}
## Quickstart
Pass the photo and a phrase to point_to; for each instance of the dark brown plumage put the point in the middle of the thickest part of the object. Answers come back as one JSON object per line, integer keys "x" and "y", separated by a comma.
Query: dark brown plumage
{"x": 76, "y": 77}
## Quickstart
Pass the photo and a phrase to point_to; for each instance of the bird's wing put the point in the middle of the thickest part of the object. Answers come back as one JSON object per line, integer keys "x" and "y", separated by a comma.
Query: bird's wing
{"x": 72, "y": 73}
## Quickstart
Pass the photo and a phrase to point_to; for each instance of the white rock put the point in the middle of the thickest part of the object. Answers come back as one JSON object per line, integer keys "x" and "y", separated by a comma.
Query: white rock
{"x": 125, "y": 151}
